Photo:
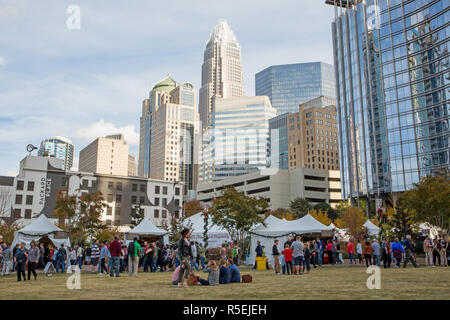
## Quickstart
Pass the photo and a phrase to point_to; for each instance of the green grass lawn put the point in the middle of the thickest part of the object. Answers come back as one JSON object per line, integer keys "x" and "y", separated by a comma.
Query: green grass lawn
{"x": 323, "y": 283}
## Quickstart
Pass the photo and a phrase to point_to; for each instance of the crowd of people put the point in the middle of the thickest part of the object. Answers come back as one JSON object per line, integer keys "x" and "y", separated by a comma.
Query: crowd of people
{"x": 296, "y": 256}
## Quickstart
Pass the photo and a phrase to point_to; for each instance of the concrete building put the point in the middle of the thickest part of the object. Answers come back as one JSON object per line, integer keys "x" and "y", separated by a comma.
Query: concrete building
{"x": 237, "y": 140}
{"x": 289, "y": 85}
{"x": 172, "y": 131}
{"x": 391, "y": 68}
{"x": 59, "y": 148}
{"x": 279, "y": 188}
{"x": 222, "y": 74}
{"x": 39, "y": 179}
{"x": 313, "y": 135}
{"x": 106, "y": 155}
{"x": 131, "y": 165}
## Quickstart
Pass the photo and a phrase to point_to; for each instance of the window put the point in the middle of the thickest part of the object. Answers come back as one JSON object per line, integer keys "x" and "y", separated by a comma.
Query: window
{"x": 157, "y": 189}
{"x": 134, "y": 187}
{"x": 164, "y": 190}
{"x": 64, "y": 181}
{"x": 156, "y": 201}
{"x": 177, "y": 191}
{"x": 142, "y": 200}
{"x": 164, "y": 201}
{"x": 18, "y": 199}
{"x": 308, "y": 122}
{"x": 110, "y": 185}
{"x": 30, "y": 186}
{"x": 309, "y": 114}
{"x": 118, "y": 198}
{"x": 133, "y": 199}
{"x": 20, "y": 184}
{"x": 109, "y": 198}
{"x": 117, "y": 211}
{"x": 27, "y": 213}
{"x": 177, "y": 202}
{"x": 29, "y": 200}
{"x": 143, "y": 188}
{"x": 17, "y": 213}
{"x": 84, "y": 183}
{"x": 119, "y": 186}
{"x": 156, "y": 214}
{"x": 164, "y": 214}
{"x": 177, "y": 214}
{"x": 109, "y": 211}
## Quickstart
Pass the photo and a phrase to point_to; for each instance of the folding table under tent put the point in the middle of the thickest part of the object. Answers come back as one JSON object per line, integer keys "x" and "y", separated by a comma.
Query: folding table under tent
{"x": 216, "y": 235}
{"x": 144, "y": 228}
{"x": 37, "y": 229}
{"x": 281, "y": 229}
{"x": 373, "y": 229}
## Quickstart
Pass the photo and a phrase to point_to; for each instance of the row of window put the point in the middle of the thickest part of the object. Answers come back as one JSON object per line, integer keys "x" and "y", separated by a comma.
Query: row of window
{"x": 28, "y": 199}
{"x": 21, "y": 184}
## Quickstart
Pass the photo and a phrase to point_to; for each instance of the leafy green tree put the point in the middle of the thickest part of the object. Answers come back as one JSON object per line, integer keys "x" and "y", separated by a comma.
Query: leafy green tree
{"x": 66, "y": 210}
{"x": 137, "y": 215}
{"x": 281, "y": 213}
{"x": 237, "y": 213}
{"x": 401, "y": 222}
{"x": 326, "y": 208}
{"x": 341, "y": 207}
{"x": 352, "y": 220}
{"x": 91, "y": 208}
{"x": 429, "y": 200}
{"x": 300, "y": 207}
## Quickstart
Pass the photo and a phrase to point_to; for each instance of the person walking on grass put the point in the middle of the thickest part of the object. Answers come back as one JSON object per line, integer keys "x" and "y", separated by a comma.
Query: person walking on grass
{"x": 443, "y": 251}
{"x": 409, "y": 256}
{"x": 359, "y": 252}
{"x": 397, "y": 250}
{"x": 297, "y": 250}
{"x": 320, "y": 245}
{"x": 376, "y": 252}
{"x": 133, "y": 257}
{"x": 95, "y": 253}
{"x": 259, "y": 252}
{"x": 329, "y": 248}
{"x": 287, "y": 253}
{"x": 7, "y": 259}
{"x": 386, "y": 253}
{"x": 436, "y": 252}
{"x": 184, "y": 256}
{"x": 368, "y": 250}
{"x": 115, "y": 249}
{"x": 428, "y": 249}
{"x": 33, "y": 260}
{"x": 103, "y": 256}
{"x": 276, "y": 257}
{"x": 61, "y": 257}
{"x": 20, "y": 259}
{"x": 234, "y": 254}
{"x": 307, "y": 257}
{"x": 351, "y": 251}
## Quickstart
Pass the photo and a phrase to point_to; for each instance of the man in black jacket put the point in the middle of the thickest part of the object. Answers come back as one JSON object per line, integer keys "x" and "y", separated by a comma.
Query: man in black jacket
{"x": 276, "y": 256}
{"x": 259, "y": 251}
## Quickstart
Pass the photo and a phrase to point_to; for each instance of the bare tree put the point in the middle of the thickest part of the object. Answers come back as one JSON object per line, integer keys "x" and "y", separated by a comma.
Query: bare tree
{"x": 6, "y": 200}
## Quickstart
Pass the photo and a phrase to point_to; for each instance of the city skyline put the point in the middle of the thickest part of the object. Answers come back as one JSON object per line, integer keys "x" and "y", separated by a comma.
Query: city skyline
{"x": 81, "y": 84}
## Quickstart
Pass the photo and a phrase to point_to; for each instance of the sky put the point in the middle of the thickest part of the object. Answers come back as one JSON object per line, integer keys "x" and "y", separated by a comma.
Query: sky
{"x": 89, "y": 82}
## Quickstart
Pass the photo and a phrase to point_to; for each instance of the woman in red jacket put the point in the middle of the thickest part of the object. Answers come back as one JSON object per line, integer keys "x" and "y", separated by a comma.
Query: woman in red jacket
{"x": 287, "y": 252}
{"x": 351, "y": 252}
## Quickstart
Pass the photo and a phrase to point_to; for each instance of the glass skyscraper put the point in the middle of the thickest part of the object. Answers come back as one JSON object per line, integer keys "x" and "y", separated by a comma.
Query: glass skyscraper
{"x": 60, "y": 148}
{"x": 289, "y": 85}
{"x": 391, "y": 62}
{"x": 278, "y": 142}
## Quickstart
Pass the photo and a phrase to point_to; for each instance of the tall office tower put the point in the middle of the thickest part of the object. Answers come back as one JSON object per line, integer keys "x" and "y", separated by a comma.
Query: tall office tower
{"x": 131, "y": 165}
{"x": 221, "y": 70}
{"x": 172, "y": 134}
{"x": 291, "y": 84}
{"x": 313, "y": 135}
{"x": 144, "y": 139}
{"x": 60, "y": 148}
{"x": 237, "y": 141}
{"x": 278, "y": 142}
{"x": 391, "y": 62}
{"x": 106, "y": 155}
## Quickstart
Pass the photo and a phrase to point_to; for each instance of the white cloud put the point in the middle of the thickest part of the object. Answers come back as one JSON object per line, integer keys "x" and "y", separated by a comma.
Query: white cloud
{"x": 102, "y": 128}
{"x": 2, "y": 61}
{"x": 10, "y": 173}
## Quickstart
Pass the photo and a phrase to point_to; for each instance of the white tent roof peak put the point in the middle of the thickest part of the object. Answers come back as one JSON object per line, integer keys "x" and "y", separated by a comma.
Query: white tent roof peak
{"x": 146, "y": 227}
{"x": 40, "y": 226}
{"x": 370, "y": 225}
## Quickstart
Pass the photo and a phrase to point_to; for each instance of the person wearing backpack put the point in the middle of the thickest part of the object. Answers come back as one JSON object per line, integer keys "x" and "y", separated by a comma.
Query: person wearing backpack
{"x": 133, "y": 257}
{"x": 61, "y": 256}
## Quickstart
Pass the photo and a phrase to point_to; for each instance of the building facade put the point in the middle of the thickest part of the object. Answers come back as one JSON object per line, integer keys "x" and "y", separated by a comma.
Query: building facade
{"x": 280, "y": 188}
{"x": 106, "y": 155}
{"x": 237, "y": 140}
{"x": 391, "y": 63}
{"x": 36, "y": 186}
{"x": 279, "y": 150}
{"x": 221, "y": 70}
{"x": 289, "y": 85}
{"x": 59, "y": 148}
{"x": 172, "y": 134}
{"x": 131, "y": 165}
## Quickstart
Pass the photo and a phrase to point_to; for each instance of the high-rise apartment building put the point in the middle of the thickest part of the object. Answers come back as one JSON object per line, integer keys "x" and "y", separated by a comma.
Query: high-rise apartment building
{"x": 172, "y": 132}
{"x": 106, "y": 155}
{"x": 59, "y": 148}
{"x": 313, "y": 135}
{"x": 221, "y": 70}
{"x": 237, "y": 140}
{"x": 391, "y": 62}
{"x": 131, "y": 165}
{"x": 291, "y": 84}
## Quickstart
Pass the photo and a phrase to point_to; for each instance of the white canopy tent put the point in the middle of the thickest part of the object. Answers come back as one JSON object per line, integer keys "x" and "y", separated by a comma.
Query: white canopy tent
{"x": 373, "y": 229}
{"x": 282, "y": 229}
{"x": 430, "y": 230}
{"x": 144, "y": 228}
{"x": 36, "y": 230}
{"x": 216, "y": 234}
{"x": 341, "y": 234}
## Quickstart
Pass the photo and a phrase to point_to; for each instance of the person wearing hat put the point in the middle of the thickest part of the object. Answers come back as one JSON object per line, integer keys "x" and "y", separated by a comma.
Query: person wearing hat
{"x": 184, "y": 256}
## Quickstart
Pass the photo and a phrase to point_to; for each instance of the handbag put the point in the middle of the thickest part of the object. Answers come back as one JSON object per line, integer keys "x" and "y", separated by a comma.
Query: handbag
{"x": 246, "y": 278}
